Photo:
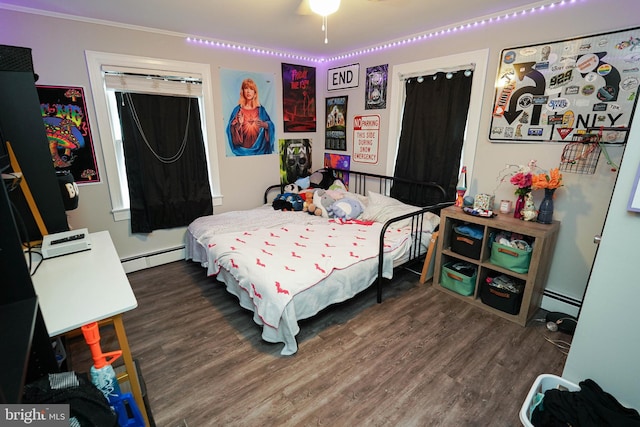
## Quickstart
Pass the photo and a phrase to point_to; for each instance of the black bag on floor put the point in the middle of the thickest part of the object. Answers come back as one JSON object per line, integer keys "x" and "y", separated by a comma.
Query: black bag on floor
{"x": 86, "y": 403}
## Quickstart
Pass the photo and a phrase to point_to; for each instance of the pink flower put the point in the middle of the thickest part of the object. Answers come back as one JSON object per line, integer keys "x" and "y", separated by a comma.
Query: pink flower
{"x": 521, "y": 180}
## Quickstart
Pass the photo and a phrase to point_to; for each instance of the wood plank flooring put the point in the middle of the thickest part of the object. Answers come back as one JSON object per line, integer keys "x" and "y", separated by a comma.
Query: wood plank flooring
{"x": 421, "y": 358}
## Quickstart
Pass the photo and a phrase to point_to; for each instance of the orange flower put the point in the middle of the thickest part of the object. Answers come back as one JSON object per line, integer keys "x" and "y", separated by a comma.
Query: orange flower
{"x": 551, "y": 181}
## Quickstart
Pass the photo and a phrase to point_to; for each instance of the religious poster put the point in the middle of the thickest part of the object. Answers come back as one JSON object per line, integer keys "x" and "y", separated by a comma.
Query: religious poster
{"x": 558, "y": 91}
{"x": 336, "y": 124}
{"x": 376, "y": 88}
{"x": 298, "y": 98}
{"x": 66, "y": 123}
{"x": 366, "y": 138}
{"x": 295, "y": 159}
{"x": 248, "y": 102}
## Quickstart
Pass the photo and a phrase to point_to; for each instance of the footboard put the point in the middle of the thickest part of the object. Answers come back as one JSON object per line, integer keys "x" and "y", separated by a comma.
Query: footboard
{"x": 428, "y": 196}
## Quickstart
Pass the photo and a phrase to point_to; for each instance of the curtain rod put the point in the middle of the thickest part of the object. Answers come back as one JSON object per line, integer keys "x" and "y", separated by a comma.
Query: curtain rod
{"x": 470, "y": 66}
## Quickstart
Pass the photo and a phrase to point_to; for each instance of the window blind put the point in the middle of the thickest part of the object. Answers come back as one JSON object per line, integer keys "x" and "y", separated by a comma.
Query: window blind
{"x": 151, "y": 81}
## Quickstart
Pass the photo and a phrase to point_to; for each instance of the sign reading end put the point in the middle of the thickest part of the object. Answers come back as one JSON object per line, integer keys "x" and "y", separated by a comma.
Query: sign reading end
{"x": 343, "y": 77}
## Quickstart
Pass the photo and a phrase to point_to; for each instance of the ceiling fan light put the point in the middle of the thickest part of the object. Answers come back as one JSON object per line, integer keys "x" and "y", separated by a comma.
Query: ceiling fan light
{"x": 324, "y": 7}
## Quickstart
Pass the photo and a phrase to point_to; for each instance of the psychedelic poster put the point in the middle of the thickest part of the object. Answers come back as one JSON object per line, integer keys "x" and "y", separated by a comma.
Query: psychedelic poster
{"x": 68, "y": 131}
{"x": 335, "y": 128}
{"x": 376, "y": 88}
{"x": 339, "y": 161}
{"x": 298, "y": 98}
{"x": 558, "y": 91}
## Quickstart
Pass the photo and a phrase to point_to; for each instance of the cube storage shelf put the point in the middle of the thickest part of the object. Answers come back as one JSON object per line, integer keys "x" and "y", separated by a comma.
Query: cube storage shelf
{"x": 543, "y": 236}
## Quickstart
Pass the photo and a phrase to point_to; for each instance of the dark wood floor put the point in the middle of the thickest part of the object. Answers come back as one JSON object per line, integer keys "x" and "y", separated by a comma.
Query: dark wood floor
{"x": 421, "y": 358}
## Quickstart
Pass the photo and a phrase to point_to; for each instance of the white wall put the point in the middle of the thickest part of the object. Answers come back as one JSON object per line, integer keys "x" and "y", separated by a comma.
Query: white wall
{"x": 605, "y": 346}
{"x": 58, "y": 50}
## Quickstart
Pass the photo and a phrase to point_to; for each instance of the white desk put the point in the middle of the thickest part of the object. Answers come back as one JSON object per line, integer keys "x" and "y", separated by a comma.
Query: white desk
{"x": 84, "y": 287}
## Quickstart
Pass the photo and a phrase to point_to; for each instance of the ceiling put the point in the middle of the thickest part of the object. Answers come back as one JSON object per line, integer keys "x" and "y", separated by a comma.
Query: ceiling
{"x": 282, "y": 25}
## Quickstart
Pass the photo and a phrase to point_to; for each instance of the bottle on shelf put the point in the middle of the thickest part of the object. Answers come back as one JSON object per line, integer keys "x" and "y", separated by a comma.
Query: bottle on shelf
{"x": 461, "y": 188}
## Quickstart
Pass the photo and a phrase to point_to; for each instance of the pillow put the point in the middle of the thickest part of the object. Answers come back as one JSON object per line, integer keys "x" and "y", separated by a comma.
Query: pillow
{"x": 382, "y": 208}
{"x": 364, "y": 201}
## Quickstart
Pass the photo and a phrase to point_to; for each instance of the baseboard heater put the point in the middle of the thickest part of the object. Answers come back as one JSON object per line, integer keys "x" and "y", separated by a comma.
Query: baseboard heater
{"x": 562, "y": 298}
{"x": 153, "y": 259}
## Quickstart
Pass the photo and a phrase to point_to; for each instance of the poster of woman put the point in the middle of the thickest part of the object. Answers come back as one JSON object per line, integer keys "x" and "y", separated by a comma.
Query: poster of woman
{"x": 248, "y": 98}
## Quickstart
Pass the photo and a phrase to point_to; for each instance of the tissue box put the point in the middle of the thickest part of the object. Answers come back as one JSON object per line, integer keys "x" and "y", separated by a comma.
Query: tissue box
{"x": 483, "y": 201}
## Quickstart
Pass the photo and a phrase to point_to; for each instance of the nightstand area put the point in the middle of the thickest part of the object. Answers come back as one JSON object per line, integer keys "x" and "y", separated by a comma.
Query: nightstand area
{"x": 486, "y": 260}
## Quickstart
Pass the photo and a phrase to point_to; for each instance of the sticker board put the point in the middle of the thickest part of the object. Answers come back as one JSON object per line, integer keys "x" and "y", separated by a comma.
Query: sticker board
{"x": 552, "y": 92}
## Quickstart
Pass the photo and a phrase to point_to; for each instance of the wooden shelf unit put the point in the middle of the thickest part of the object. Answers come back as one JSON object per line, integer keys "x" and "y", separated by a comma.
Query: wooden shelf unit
{"x": 544, "y": 239}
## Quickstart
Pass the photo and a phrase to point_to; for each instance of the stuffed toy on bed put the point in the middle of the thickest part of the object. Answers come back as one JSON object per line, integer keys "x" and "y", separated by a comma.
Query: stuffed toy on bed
{"x": 320, "y": 203}
{"x": 287, "y": 202}
{"x": 346, "y": 209}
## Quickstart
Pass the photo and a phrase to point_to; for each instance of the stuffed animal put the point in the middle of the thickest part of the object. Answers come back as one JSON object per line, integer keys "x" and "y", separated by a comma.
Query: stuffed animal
{"x": 346, "y": 208}
{"x": 321, "y": 179}
{"x": 529, "y": 212}
{"x": 320, "y": 204}
{"x": 287, "y": 202}
{"x": 292, "y": 188}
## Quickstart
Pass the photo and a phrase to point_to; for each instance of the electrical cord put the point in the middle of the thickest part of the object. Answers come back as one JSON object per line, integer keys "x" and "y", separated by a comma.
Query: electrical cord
{"x": 23, "y": 234}
{"x": 561, "y": 345}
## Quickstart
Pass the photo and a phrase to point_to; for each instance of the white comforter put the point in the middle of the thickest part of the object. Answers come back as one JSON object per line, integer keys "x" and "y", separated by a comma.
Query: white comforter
{"x": 287, "y": 266}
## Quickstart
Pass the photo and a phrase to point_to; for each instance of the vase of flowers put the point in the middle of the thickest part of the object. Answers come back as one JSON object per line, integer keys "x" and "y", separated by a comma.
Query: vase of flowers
{"x": 522, "y": 180}
{"x": 549, "y": 182}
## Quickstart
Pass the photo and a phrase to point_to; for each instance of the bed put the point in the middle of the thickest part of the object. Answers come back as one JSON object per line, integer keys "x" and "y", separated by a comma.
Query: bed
{"x": 286, "y": 266}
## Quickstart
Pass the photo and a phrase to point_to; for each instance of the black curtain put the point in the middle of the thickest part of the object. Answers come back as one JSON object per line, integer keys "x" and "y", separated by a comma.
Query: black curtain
{"x": 432, "y": 135}
{"x": 165, "y": 160}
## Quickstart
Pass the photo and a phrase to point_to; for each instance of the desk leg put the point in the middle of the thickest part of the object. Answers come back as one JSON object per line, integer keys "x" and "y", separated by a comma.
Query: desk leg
{"x": 130, "y": 366}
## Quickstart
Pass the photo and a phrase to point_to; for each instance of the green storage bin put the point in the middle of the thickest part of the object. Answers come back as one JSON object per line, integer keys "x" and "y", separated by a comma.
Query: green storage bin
{"x": 513, "y": 259}
{"x": 457, "y": 279}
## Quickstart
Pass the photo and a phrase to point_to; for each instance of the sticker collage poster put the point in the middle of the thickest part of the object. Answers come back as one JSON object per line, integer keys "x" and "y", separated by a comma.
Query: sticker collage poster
{"x": 66, "y": 122}
{"x": 559, "y": 91}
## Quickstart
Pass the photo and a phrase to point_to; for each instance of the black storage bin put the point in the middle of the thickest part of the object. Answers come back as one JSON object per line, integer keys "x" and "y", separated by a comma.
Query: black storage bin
{"x": 466, "y": 240}
{"x": 501, "y": 298}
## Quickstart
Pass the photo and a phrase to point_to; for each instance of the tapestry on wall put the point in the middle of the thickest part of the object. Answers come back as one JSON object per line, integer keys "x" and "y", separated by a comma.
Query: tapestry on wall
{"x": 295, "y": 159}
{"x": 248, "y": 101}
{"x": 336, "y": 126}
{"x": 66, "y": 123}
{"x": 298, "y": 98}
{"x": 560, "y": 90}
{"x": 376, "y": 88}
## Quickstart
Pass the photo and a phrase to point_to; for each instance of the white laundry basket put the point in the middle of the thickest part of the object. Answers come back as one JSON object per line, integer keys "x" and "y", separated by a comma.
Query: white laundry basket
{"x": 543, "y": 383}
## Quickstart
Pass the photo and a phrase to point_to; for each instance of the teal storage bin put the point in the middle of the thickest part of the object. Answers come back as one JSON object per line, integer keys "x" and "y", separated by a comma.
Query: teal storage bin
{"x": 513, "y": 259}
{"x": 459, "y": 277}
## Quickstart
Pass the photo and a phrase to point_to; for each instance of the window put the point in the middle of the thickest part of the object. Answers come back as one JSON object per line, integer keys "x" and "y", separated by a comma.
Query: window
{"x": 431, "y": 66}
{"x": 109, "y": 73}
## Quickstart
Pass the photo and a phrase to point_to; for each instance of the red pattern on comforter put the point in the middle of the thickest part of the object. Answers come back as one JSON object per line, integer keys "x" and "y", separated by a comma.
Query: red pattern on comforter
{"x": 273, "y": 265}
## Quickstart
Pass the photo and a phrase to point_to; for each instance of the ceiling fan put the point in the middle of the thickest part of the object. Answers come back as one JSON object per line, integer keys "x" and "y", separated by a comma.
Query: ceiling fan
{"x": 323, "y": 8}
{"x": 320, "y": 7}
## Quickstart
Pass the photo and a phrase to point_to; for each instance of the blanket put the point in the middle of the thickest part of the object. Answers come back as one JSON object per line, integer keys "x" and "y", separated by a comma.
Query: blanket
{"x": 274, "y": 264}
